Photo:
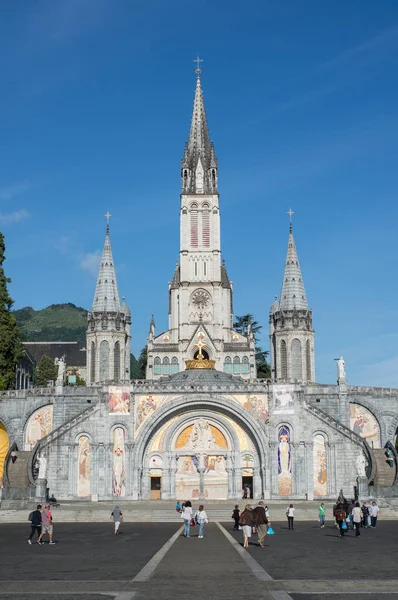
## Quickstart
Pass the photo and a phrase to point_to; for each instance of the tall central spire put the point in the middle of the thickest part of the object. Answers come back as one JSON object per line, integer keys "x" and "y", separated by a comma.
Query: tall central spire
{"x": 106, "y": 297}
{"x": 293, "y": 293}
{"x": 199, "y": 164}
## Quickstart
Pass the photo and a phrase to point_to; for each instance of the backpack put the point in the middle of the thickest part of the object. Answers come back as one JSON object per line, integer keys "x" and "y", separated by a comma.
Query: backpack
{"x": 30, "y": 516}
{"x": 339, "y": 514}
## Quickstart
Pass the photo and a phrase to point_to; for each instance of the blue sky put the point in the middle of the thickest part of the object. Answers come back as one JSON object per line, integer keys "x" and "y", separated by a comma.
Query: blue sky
{"x": 302, "y": 103}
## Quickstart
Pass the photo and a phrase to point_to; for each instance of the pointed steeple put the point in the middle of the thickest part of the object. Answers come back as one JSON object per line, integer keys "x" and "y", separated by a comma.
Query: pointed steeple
{"x": 106, "y": 297}
{"x": 293, "y": 294}
{"x": 199, "y": 164}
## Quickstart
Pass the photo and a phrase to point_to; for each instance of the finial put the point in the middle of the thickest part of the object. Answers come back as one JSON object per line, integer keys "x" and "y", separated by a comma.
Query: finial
{"x": 198, "y": 70}
{"x": 290, "y": 213}
{"x": 107, "y": 216}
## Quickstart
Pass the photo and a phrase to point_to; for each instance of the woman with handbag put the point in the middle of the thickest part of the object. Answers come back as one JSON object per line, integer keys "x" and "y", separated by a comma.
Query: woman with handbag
{"x": 201, "y": 519}
{"x": 186, "y": 514}
{"x": 247, "y": 521}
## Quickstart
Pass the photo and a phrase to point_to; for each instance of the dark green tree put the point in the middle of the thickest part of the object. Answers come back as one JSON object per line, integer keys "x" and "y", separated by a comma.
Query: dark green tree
{"x": 134, "y": 368}
{"x": 45, "y": 372}
{"x": 142, "y": 362}
{"x": 11, "y": 348}
{"x": 241, "y": 325}
{"x": 79, "y": 380}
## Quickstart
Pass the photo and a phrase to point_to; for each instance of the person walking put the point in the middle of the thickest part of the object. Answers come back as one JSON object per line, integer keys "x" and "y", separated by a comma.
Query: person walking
{"x": 178, "y": 506}
{"x": 357, "y": 518}
{"x": 374, "y": 513}
{"x": 201, "y": 519}
{"x": 35, "y": 523}
{"x": 322, "y": 512}
{"x": 117, "y": 517}
{"x": 186, "y": 514}
{"x": 235, "y": 516}
{"x": 46, "y": 524}
{"x": 365, "y": 515}
{"x": 290, "y": 516}
{"x": 247, "y": 521}
{"x": 261, "y": 522}
{"x": 340, "y": 518}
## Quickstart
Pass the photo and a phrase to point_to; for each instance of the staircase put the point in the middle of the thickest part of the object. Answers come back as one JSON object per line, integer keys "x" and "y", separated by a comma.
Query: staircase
{"x": 172, "y": 516}
{"x": 17, "y": 472}
{"x": 384, "y": 474}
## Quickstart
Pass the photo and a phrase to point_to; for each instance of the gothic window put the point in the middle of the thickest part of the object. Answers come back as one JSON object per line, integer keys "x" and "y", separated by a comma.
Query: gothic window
{"x": 236, "y": 369}
{"x": 166, "y": 366}
{"x": 116, "y": 361}
{"x": 196, "y": 268}
{"x": 283, "y": 360}
{"x": 174, "y": 364}
{"x": 205, "y": 268}
{"x": 157, "y": 370}
{"x": 297, "y": 362}
{"x": 308, "y": 359}
{"x": 213, "y": 176}
{"x": 206, "y": 228}
{"x": 194, "y": 228}
{"x": 92, "y": 362}
{"x": 104, "y": 360}
{"x": 227, "y": 364}
{"x": 245, "y": 365}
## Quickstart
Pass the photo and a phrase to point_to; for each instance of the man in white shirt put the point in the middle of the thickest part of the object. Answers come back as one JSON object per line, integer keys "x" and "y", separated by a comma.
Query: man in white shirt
{"x": 374, "y": 513}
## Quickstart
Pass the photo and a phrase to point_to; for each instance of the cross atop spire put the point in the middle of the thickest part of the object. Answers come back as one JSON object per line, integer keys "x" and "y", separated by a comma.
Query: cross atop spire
{"x": 198, "y": 70}
{"x": 290, "y": 213}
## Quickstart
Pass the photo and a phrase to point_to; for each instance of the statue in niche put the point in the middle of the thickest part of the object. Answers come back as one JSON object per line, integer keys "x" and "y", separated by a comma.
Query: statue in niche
{"x": 361, "y": 464}
{"x": 42, "y": 462}
{"x": 201, "y": 437}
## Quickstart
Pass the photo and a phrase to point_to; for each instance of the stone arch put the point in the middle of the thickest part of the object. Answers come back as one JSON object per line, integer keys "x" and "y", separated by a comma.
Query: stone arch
{"x": 392, "y": 429}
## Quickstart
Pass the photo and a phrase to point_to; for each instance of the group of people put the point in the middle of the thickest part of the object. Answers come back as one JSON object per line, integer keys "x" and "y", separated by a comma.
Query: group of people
{"x": 354, "y": 515}
{"x": 190, "y": 519}
{"x": 251, "y": 520}
{"x": 41, "y": 522}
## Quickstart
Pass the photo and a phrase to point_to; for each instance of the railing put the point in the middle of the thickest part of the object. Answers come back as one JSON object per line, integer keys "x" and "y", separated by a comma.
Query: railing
{"x": 56, "y": 433}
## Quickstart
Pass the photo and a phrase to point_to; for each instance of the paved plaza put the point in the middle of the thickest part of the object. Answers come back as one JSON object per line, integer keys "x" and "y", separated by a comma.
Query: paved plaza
{"x": 152, "y": 560}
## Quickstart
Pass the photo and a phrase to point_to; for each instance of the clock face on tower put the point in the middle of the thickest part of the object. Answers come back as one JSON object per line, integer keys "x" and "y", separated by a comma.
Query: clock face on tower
{"x": 200, "y": 299}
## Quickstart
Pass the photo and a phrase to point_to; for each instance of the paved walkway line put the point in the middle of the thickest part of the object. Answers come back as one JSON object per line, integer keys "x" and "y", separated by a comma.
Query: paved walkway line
{"x": 149, "y": 568}
{"x": 257, "y": 569}
{"x": 125, "y": 596}
{"x": 280, "y": 595}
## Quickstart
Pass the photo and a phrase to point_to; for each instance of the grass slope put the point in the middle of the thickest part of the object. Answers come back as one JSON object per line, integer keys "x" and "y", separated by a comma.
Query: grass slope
{"x": 56, "y": 323}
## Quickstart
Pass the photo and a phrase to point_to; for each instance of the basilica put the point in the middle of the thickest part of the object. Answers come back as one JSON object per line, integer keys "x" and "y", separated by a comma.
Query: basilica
{"x": 202, "y": 425}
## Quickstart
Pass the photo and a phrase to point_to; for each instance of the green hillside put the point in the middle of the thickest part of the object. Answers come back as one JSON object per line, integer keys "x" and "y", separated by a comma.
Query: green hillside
{"x": 56, "y": 323}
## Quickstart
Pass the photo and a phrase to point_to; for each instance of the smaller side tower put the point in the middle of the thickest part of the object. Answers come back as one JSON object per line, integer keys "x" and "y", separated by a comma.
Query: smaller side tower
{"x": 291, "y": 331}
{"x": 108, "y": 333}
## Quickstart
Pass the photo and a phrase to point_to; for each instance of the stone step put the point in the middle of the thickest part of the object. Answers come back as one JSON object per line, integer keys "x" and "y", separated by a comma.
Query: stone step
{"x": 385, "y": 475}
{"x": 17, "y": 472}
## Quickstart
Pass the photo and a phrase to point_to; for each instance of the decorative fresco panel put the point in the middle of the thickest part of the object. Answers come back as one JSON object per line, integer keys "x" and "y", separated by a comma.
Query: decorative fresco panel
{"x": 84, "y": 460}
{"x": 119, "y": 399}
{"x": 187, "y": 478}
{"x": 119, "y": 463}
{"x": 201, "y": 435}
{"x": 284, "y": 398}
{"x": 284, "y": 462}
{"x": 320, "y": 466}
{"x": 363, "y": 422}
{"x": 39, "y": 424}
{"x": 215, "y": 478}
{"x": 256, "y": 404}
{"x": 145, "y": 406}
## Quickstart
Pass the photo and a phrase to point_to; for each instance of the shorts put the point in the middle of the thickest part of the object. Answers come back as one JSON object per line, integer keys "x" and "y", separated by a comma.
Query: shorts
{"x": 247, "y": 530}
{"x": 47, "y": 529}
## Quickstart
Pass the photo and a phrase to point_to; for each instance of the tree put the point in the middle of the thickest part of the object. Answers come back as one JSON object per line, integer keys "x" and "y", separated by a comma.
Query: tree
{"x": 134, "y": 368}
{"x": 11, "y": 348}
{"x": 79, "y": 379}
{"x": 45, "y": 372}
{"x": 241, "y": 325}
{"x": 142, "y": 362}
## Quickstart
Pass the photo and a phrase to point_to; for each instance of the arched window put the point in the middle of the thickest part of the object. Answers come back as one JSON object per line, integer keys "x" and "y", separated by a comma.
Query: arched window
{"x": 174, "y": 364}
{"x": 116, "y": 361}
{"x": 297, "y": 361}
{"x": 83, "y": 467}
{"x": 157, "y": 367}
{"x": 228, "y": 364}
{"x": 206, "y": 228}
{"x": 92, "y": 362}
{"x": 104, "y": 360}
{"x": 283, "y": 373}
{"x": 194, "y": 228}
{"x": 245, "y": 365}
{"x": 236, "y": 365}
{"x": 308, "y": 359}
{"x": 166, "y": 366}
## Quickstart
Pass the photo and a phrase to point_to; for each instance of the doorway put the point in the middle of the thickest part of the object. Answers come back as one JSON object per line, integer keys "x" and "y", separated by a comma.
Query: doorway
{"x": 247, "y": 481}
{"x": 156, "y": 488}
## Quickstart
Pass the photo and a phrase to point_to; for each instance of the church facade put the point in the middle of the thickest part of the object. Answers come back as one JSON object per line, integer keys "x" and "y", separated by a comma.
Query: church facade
{"x": 201, "y": 425}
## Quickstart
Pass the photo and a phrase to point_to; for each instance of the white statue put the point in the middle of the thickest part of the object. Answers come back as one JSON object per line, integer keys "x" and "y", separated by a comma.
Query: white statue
{"x": 341, "y": 368}
{"x": 42, "y": 466}
{"x": 61, "y": 370}
{"x": 201, "y": 437}
{"x": 361, "y": 465}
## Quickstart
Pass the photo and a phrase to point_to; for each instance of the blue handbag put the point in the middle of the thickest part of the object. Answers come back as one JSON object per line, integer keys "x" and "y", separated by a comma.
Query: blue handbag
{"x": 270, "y": 531}
{"x": 344, "y": 525}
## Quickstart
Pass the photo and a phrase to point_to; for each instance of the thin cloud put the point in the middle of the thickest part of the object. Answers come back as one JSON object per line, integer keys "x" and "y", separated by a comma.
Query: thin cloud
{"x": 13, "y": 217}
{"x": 8, "y": 193}
{"x": 90, "y": 262}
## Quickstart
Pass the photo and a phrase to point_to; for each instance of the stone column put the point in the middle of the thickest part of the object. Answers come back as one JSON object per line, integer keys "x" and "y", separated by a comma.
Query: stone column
{"x": 145, "y": 484}
{"x": 257, "y": 491}
{"x": 273, "y": 475}
{"x": 129, "y": 453}
{"x": 237, "y": 476}
{"x": 41, "y": 490}
{"x": 344, "y": 408}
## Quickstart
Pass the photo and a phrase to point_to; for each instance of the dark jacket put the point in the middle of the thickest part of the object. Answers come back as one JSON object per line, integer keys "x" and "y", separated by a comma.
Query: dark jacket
{"x": 36, "y": 518}
{"x": 247, "y": 518}
{"x": 259, "y": 515}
